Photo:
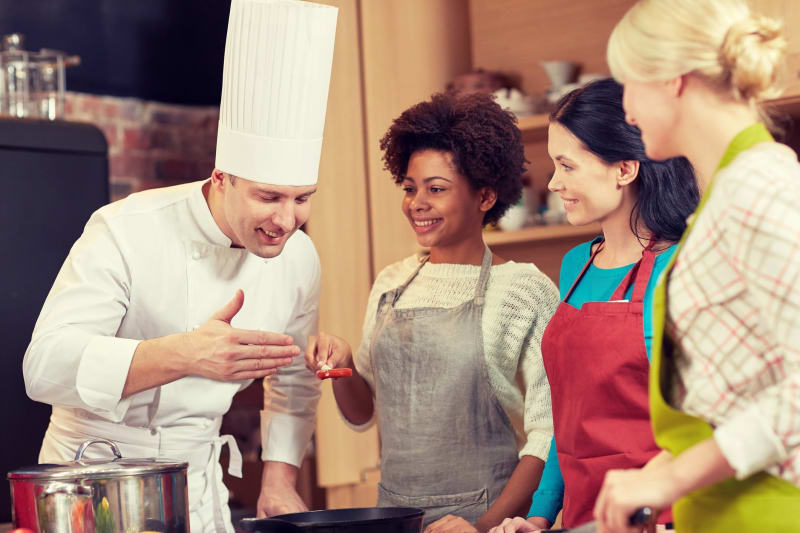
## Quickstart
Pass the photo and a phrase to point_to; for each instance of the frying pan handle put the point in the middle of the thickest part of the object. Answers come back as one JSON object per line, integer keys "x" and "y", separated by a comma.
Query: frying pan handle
{"x": 268, "y": 525}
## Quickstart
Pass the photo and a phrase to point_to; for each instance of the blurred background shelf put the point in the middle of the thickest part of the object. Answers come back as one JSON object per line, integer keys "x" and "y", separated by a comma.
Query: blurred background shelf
{"x": 540, "y": 233}
{"x": 533, "y": 127}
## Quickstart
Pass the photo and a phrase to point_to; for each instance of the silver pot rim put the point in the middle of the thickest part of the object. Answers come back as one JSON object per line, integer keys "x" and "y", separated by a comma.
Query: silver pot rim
{"x": 93, "y": 469}
{"x": 97, "y": 469}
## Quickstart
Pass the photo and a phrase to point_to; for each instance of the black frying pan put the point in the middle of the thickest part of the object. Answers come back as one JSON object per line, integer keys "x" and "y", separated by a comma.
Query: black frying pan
{"x": 364, "y": 520}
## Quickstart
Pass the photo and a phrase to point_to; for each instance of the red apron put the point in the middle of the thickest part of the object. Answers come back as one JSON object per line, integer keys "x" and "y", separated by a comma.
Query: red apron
{"x": 596, "y": 363}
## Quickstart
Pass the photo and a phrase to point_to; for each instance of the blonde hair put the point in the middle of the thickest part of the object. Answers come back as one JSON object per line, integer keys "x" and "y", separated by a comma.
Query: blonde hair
{"x": 736, "y": 51}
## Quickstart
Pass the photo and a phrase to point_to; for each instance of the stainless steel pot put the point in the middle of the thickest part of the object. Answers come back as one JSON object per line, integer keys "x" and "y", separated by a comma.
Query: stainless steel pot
{"x": 119, "y": 496}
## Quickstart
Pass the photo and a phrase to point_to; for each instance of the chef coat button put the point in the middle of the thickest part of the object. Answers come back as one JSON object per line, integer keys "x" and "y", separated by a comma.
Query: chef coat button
{"x": 196, "y": 255}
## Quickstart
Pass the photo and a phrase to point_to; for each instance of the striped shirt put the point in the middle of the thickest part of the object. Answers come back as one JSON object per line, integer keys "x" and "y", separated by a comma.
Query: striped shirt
{"x": 734, "y": 306}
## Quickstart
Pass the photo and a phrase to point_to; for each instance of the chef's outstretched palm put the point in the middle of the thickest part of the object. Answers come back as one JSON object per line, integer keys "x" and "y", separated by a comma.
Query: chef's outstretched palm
{"x": 224, "y": 353}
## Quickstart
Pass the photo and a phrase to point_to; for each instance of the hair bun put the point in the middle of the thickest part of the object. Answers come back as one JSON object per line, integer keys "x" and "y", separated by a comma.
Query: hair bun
{"x": 751, "y": 55}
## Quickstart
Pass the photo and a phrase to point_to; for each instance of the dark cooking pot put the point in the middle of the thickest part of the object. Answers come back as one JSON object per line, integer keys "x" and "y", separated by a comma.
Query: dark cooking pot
{"x": 368, "y": 519}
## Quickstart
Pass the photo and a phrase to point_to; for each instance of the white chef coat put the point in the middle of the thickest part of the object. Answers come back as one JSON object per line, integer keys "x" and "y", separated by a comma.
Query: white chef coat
{"x": 154, "y": 264}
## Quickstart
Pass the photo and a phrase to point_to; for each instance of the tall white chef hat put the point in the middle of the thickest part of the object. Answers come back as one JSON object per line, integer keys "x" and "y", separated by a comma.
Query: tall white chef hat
{"x": 275, "y": 82}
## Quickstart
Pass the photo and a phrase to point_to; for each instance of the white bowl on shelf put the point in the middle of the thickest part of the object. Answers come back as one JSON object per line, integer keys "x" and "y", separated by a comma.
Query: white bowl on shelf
{"x": 514, "y": 218}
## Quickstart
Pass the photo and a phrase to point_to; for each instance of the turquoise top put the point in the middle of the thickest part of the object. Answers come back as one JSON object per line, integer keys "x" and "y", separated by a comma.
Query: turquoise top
{"x": 597, "y": 285}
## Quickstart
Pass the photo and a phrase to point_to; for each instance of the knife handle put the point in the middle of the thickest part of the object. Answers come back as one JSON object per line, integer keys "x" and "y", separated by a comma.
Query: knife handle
{"x": 641, "y": 516}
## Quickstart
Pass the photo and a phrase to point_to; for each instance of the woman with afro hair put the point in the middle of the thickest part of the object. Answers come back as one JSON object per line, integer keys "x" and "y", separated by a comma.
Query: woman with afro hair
{"x": 450, "y": 363}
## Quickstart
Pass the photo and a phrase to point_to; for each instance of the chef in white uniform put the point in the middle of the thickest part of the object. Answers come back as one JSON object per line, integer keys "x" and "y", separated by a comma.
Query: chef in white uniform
{"x": 174, "y": 299}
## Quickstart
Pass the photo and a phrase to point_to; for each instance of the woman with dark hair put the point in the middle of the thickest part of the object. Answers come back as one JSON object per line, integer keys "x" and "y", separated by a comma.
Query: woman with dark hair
{"x": 450, "y": 361}
{"x": 596, "y": 348}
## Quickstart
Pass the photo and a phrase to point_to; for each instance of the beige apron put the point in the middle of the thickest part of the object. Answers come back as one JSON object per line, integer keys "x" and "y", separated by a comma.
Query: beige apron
{"x": 447, "y": 445}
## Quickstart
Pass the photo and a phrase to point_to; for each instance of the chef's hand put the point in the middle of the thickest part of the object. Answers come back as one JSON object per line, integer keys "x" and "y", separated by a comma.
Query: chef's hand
{"x": 218, "y": 351}
{"x": 327, "y": 349}
{"x": 278, "y": 495}
{"x": 451, "y": 524}
{"x": 513, "y": 525}
{"x": 624, "y": 491}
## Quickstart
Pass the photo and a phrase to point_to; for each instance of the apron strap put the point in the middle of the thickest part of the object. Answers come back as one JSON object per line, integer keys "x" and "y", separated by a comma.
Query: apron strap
{"x": 234, "y": 469}
{"x": 397, "y": 292}
{"x": 480, "y": 288}
{"x": 586, "y": 266}
{"x": 483, "y": 279}
{"x": 639, "y": 274}
{"x": 234, "y": 454}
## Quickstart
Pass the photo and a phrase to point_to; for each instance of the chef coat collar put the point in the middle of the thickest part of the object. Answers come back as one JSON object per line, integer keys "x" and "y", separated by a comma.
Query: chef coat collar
{"x": 202, "y": 214}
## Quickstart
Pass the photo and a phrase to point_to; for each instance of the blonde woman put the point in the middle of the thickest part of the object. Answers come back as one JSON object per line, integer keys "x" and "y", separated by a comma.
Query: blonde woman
{"x": 725, "y": 375}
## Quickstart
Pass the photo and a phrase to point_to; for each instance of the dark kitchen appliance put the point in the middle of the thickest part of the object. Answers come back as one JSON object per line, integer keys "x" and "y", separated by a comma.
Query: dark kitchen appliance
{"x": 53, "y": 175}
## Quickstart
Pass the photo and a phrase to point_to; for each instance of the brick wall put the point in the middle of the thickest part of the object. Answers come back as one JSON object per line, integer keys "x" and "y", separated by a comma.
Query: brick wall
{"x": 150, "y": 144}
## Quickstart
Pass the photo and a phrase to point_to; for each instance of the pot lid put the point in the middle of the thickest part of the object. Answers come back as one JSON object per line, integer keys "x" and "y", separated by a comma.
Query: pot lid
{"x": 97, "y": 469}
{"x": 89, "y": 469}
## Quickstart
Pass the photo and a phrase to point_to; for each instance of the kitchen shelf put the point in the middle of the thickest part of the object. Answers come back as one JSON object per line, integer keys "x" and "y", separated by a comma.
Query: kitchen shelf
{"x": 533, "y": 127}
{"x": 789, "y": 105}
{"x": 540, "y": 233}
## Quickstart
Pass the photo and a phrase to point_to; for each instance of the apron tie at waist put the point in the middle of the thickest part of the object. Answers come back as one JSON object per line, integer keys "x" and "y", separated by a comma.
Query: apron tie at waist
{"x": 235, "y": 459}
{"x": 234, "y": 469}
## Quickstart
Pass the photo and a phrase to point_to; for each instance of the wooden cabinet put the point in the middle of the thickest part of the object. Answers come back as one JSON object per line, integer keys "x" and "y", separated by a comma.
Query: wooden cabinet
{"x": 411, "y": 49}
{"x": 515, "y": 35}
{"x": 388, "y": 55}
{"x": 339, "y": 227}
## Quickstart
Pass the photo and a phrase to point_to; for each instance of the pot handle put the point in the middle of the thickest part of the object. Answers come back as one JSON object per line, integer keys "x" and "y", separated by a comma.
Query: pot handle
{"x": 87, "y": 443}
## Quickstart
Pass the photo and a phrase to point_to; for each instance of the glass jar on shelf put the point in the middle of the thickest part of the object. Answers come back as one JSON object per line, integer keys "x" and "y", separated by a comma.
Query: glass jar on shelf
{"x": 32, "y": 84}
